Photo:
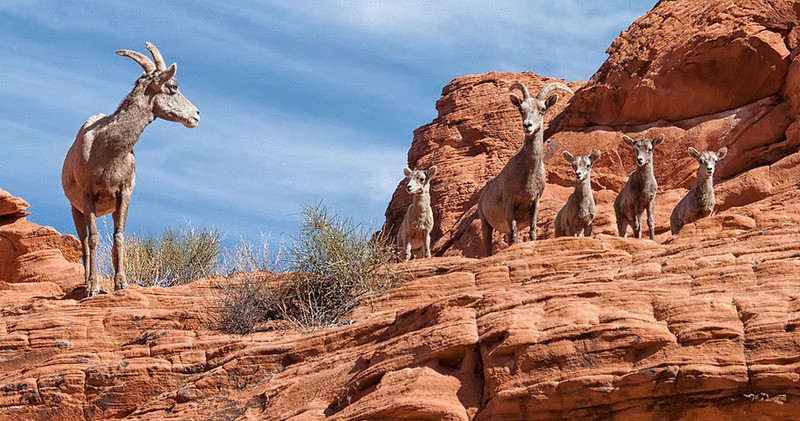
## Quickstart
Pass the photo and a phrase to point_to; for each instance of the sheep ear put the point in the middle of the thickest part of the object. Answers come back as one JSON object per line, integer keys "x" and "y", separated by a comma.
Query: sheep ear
{"x": 693, "y": 153}
{"x": 567, "y": 156}
{"x": 722, "y": 152}
{"x": 163, "y": 76}
{"x": 627, "y": 139}
{"x": 431, "y": 172}
{"x": 595, "y": 155}
{"x": 549, "y": 102}
{"x": 407, "y": 171}
{"x": 515, "y": 99}
{"x": 658, "y": 140}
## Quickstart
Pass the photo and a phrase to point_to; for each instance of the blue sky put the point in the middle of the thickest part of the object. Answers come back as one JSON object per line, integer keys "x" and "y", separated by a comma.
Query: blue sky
{"x": 301, "y": 102}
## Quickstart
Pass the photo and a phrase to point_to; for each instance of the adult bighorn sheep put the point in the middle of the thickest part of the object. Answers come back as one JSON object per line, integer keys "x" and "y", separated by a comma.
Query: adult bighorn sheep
{"x": 639, "y": 193}
{"x": 509, "y": 202}
{"x": 98, "y": 173}
{"x": 415, "y": 230}
{"x": 699, "y": 201}
{"x": 576, "y": 216}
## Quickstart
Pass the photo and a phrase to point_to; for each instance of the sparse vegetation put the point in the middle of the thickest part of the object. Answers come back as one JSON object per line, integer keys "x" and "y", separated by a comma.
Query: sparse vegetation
{"x": 331, "y": 264}
{"x": 176, "y": 256}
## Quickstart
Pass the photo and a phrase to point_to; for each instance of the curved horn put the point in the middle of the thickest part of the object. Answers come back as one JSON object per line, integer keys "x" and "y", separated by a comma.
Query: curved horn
{"x": 550, "y": 88}
{"x": 522, "y": 88}
{"x": 160, "y": 65}
{"x": 140, "y": 58}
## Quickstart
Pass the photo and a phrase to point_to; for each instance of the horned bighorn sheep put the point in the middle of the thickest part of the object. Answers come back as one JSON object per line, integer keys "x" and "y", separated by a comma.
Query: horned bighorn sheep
{"x": 98, "y": 173}
{"x": 639, "y": 193}
{"x": 509, "y": 202}
{"x": 576, "y": 216}
{"x": 415, "y": 230}
{"x": 699, "y": 201}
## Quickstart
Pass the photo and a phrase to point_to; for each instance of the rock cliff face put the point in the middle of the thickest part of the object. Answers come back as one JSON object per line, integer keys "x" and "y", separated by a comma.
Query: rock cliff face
{"x": 32, "y": 253}
{"x": 702, "y": 325}
{"x": 706, "y": 75}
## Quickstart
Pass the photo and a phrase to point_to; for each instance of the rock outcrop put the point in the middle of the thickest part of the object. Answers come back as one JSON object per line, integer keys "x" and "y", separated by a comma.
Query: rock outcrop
{"x": 706, "y": 75}
{"x": 703, "y": 326}
{"x": 32, "y": 253}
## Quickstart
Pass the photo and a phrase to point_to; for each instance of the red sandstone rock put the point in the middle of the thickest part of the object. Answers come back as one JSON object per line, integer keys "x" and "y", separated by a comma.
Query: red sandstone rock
{"x": 32, "y": 253}
{"x": 705, "y": 75}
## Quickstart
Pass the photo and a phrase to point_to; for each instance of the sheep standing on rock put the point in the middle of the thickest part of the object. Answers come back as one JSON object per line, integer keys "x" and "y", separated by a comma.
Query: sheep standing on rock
{"x": 509, "y": 202}
{"x": 576, "y": 216}
{"x": 98, "y": 173}
{"x": 415, "y": 230}
{"x": 699, "y": 201}
{"x": 639, "y": 193}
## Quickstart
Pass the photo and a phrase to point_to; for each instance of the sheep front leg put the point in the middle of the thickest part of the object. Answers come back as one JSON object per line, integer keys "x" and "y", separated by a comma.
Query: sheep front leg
{"x": 118, "y": 250}
{"x": 650, "y": 220}
{"x": 426, "y": 245}
{"x": 89, "y": 212}
{"x": 637, "y": 225}
{"x": 513, "y": 235}
{"x": 587, "y": 231}
{"x": 534, "y": 216}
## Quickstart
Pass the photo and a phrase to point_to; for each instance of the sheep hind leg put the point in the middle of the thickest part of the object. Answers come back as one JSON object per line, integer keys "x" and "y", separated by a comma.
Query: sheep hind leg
{"x": 622, "y": 225}
{"x": 80, "y": 226}
{"x": 486, "y": 232}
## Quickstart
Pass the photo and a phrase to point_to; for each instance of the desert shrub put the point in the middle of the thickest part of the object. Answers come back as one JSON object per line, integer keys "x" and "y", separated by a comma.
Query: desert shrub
{"x": 331, "y": 264}
{"x": 176, "y": 256}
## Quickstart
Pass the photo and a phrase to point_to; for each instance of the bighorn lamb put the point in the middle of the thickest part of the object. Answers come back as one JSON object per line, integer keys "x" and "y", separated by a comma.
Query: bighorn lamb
{"x": 415, "y": 230}
{"x": 699, "y": 202}
{"x": 98, "y": 173}
{"x": 576, "y": 216}
{"x": 509, "y": 202}
{"x": 639, "y": 193}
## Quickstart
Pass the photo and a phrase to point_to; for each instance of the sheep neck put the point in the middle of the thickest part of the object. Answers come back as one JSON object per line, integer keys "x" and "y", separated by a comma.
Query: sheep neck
{"x": 421, "y": 202}
{"x": 583, "y": 188}
{"x": 128, "y": 122}
{"x": 644, "y": 173}
{"x": 532, "y": 150}
{"x": 704, "y": 186}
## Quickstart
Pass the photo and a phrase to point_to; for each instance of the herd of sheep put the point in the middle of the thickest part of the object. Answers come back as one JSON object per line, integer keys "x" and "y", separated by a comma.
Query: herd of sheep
{"x": 98, "y": 175}
{"x": 509, "y": 202}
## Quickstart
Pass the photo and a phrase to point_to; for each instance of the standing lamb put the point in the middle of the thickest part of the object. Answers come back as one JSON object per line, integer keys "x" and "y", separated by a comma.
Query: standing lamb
{"x": 699, "y": 202}
{"x": 98, "y": 173}
{"x": 415, "y": 231}
{"x": 509, "y": 202}
{"x": 639, "y": 193}
{"x": 576, "y": 216}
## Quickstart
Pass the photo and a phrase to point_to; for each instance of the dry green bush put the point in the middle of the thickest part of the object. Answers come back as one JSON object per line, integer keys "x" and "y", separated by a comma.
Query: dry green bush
{"x": 329, "y": 267}
{"x": 176, "y": 256}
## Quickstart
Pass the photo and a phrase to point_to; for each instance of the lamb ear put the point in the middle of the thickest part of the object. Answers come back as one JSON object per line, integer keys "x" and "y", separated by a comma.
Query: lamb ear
{"x": 515, "y": 99}
{"x": 430, "y": 172}
{"x": 595, "y": 155}
{"x": 627, "y": 139}
{"x": 722, "y": 152}
{"x": 407, "y": 171}
{"x": 550, "y": 101}
{"x": 567, "y": 156}
{"x": 694, "y": 153}
{"x": 658, "y": 140}
{"x": 163, "y": 76}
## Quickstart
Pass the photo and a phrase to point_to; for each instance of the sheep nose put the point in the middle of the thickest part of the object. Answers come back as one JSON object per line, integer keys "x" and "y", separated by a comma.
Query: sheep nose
{"x": 527, "y": 124}
{"x": 640, "y": 160}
